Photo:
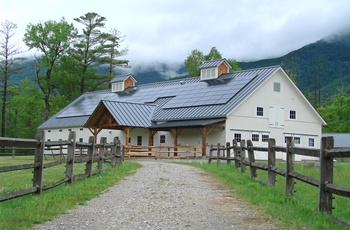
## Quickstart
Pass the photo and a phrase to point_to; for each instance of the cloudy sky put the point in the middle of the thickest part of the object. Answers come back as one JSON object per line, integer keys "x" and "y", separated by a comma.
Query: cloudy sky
{"x": 159, "y": 30}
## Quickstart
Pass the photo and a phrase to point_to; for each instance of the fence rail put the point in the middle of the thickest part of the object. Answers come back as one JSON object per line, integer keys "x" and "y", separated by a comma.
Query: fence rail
{"x": 237, "y": 152}
{"x": 183, "y": 151}
{"x": 100, "y": 153}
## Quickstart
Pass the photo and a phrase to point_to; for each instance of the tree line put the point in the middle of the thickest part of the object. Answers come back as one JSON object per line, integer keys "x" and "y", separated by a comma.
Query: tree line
{"x": 64, "y": 68}
{"x": 67, "y": 64}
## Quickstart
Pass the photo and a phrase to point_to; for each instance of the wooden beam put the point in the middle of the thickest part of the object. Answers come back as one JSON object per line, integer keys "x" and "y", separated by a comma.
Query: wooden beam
{"x": 175, "y": 133}
{"x": 204, "y": 141}
{"x": 151, "y": 134}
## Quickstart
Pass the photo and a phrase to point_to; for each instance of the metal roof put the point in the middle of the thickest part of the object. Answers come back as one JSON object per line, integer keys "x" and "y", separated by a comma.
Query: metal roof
{"x": 122, "y": 78}
{"x": 130, "y": 114}
{"x": 187, "y": 123}
{"x": 175, "y": 100}
{"x": 213, "y": 63}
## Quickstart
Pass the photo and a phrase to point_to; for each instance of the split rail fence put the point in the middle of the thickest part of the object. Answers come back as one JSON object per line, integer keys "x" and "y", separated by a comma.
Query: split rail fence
{"x": 181, "y": 151}
{"x": 237, "y": 153}
{"x": 95, "y": 153}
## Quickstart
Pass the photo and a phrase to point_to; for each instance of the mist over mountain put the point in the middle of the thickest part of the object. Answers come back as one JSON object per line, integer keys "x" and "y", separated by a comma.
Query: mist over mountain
{"x": 321, "y": 68}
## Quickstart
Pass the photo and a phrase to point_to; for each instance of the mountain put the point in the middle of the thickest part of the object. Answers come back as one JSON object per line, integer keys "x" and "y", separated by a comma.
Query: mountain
{"x": 322, "y": 68}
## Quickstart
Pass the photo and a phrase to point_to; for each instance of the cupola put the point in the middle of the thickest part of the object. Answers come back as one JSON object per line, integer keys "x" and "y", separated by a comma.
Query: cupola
{"x": 214, "y": 69}
{"x": 122, "y": 82}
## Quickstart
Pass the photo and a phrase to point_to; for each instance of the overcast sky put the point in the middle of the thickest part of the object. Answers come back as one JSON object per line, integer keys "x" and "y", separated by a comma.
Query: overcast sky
{"x": 160, "y": 30}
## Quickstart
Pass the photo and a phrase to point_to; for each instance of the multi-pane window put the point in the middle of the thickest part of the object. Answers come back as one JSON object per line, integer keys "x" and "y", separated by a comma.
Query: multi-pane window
{"x": 81, "y": 129}
{"x": 117, "y": 86}
{"x": 297, "y": 140}
{"x": 208, "y": 73}
{"x": 81, "y": 139}
{"x": 265, "y": 138}
{"x": 277, "y": 87}
{"x": 49, "y": 131}
{"x": 260, "y": 111}
{"x": 162, "y": 139}
{"x": 238, "y": 137}
{"x": 139, "y": 140}
{"x": 292, "y": 114}
{"x": 311, "y": 142}
{"x": 60, "y": 130}
{"x": 255, "y": 137}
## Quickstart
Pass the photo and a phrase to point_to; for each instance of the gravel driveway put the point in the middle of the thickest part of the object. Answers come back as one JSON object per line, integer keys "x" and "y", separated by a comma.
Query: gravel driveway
{"x": 162, "y": 195}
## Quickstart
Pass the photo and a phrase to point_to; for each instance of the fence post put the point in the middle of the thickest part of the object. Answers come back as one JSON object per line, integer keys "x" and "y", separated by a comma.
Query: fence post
{"x": 13, "y": 152}
{"x": 39, "y": 162}
{"x": 114, "y": 152}
{"x": 326, "y": 175}
{"x": 210, "y": 153}
{"x": 90, "y": 153}
{"x": 236, "y": 153}
{"x": 103, "y": 141}
{"x": 271, "y": 162}
{"x": 290, "y": 168}
{"x": 118, "y": 152}
{"x": 251, "y": 159}
{"x": 218, "y": 154}
{"x": 228, "y": 153}
{"x": 242, "y": 158}
{"x": 70, "y": 156}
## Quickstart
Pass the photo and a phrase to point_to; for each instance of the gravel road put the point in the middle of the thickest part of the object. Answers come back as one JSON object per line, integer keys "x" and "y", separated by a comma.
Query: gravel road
{"x": 162, "y": 195}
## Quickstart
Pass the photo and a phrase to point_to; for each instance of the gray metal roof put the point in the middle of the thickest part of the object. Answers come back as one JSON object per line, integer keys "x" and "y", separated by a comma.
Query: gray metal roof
{"x": 122, "y": 78}
{"x": 131, "y": 114}
{"x": 213, "y": 63}
{"x": 187, "y": 123}
{"x": 175, "y": 100}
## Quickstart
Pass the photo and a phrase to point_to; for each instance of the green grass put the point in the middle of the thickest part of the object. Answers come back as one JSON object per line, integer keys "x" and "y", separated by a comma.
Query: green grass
{"x": 302, "y": 212}
{"x": 24, "y": 212}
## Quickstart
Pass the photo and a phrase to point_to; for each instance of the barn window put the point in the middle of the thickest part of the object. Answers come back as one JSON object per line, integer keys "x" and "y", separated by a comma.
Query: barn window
{"x": 238, "y": 137}
{"x": 265, "y": 138}
{"x": 117, "y": 86}
{"x": 208, "y": 73}
{"x": 297, "y": 140}
{"x": 162, "y": 139}
{"x": 60, "y": 130}
{"x": 277, "y": 87}
{"x": 292, "y": 114}
{"x": 260, "y": 111}
{"x": 81, "y": 139}
{"x": 81, "y": 129}
{"x": 311, "y": 142}
{"x": 139, "y": 140}
{"x": 49, "y": 131}
{"x": 255, "y": 137}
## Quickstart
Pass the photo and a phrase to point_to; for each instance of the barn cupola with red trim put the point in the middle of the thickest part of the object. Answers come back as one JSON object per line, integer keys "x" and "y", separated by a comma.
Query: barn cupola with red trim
{"x": 214, "y": 69}
{"x": 122, "y": 82}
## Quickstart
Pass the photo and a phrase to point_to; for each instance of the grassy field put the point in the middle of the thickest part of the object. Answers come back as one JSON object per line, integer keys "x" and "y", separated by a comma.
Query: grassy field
{"x": 24, "y": 212}
{"x": 301, "y": 213}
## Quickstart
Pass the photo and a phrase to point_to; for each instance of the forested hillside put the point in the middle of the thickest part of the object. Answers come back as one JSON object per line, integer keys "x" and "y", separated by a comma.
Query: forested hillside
{"x": 321, "y": 68}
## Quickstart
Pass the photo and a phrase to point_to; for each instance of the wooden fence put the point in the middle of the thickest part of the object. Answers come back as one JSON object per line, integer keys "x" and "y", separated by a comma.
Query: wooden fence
{"x": 99, "y": 153}
{"x": 183, "y": 151}
{"x": 243, "y": 155}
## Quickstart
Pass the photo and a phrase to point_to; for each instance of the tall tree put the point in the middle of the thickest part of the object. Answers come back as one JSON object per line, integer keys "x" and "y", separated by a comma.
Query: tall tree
{"x": 25, "y": 107}
{"x": 53, "y": 40}
{"x": 192, "y": 62}
{"x": 196, "y": 58}
{"x": 8, "y": 50}
{"x": 213, "y": 54}
{"x": 110, "y": 43}
{"x": 87, "y": 47}
{"x": 336, "y": 113}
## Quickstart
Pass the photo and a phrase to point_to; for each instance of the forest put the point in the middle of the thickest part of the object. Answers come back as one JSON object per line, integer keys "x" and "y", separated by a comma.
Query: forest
{"x": 73, "y": 62}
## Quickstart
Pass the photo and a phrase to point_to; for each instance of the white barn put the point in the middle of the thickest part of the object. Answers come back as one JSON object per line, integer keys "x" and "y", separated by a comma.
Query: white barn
{"x": 213, "y": 108}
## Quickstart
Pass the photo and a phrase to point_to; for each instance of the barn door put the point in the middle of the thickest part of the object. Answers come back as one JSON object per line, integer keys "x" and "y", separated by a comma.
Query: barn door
{"x": 276, "y": 116}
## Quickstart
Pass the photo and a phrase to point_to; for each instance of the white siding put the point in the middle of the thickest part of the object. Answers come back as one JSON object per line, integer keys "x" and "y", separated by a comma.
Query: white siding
{"x": 276, "y": 120}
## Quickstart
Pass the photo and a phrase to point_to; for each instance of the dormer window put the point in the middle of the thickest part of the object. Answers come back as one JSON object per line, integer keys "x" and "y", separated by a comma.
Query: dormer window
{"x": 210, "y": 73}
{"x": 122, "y": 82}
{"x": 117, "y": 86}
{"x": 213, "y": 69}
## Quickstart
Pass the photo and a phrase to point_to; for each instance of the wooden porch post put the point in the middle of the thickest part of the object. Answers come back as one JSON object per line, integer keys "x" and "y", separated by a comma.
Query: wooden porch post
{"x": 204, "y": 141}
{"x": 175, "y": 141}
{"x": 127, "y": 135}
{"x": 151, "y": 134}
